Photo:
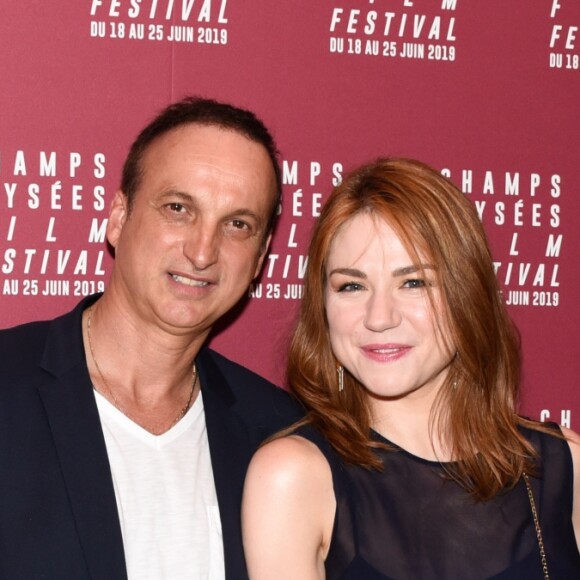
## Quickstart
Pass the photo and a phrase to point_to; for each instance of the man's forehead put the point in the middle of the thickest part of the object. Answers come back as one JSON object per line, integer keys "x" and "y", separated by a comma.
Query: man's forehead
{"x": 210, "y": 146}
{"x": 209, "y": 153}
{"x": 205, "y": 136}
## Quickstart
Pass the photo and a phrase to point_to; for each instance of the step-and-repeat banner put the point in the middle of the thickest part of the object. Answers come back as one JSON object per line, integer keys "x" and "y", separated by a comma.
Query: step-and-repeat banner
{"x": 487, "y": 92}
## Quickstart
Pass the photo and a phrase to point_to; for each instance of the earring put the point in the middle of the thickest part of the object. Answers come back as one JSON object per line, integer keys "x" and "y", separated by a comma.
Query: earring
{"x": 340, "y": 372}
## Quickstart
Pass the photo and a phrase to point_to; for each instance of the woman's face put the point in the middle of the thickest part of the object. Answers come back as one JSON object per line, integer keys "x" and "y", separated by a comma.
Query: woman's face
{"x": 381, "y": 322}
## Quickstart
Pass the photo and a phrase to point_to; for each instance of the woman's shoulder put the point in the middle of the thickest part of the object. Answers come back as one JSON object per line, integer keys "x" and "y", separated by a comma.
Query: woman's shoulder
{"x": 288, "y": 509}
{"x": 572, "y": 437}
{"x": 551, "y": 436}
{"x": 552, "y": 442}
{"x": 558, "y": 451}
{"x": 573, "y": 441}
{"x": 290, "y": 462}
{"x": 289, "y": 494}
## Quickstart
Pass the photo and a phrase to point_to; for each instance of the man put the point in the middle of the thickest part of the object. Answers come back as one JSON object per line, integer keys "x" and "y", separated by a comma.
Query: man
{"x": 123, "y": 440}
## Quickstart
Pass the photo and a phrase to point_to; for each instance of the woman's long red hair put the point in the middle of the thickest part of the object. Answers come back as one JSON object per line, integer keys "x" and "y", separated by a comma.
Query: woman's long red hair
{"x": 476, "y": 407}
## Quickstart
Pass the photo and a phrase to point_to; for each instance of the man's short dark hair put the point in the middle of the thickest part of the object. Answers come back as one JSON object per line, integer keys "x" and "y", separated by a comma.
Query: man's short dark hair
{"x": 200, "y": 111}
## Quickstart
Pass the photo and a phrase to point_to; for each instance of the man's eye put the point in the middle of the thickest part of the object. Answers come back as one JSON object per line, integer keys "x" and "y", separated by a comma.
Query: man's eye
{"x": 176, "y": 207}
{"x": 240, "y": 225}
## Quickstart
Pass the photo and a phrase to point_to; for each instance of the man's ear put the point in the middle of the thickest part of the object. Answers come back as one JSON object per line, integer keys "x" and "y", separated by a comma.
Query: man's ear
{"x": 117, "y": 218}
{"x": 263, "y": 252}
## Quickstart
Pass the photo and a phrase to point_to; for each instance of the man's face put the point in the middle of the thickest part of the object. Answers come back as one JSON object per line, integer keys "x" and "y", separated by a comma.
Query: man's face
{"x": 195, "y": 236}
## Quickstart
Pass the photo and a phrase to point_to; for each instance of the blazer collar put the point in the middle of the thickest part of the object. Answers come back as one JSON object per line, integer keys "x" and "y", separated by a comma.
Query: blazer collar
{"x": 76, "y": 430}
{"x": 230, "y": 450}
{"x": 64, "y": 348}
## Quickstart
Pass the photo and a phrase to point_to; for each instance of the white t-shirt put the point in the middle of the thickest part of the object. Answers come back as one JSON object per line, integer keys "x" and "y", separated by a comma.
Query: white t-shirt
{"x": 165, "y": 496}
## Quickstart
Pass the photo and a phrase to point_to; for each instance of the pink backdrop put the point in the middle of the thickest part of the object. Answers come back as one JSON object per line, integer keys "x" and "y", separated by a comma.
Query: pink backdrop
{"x": 488, "y": 92}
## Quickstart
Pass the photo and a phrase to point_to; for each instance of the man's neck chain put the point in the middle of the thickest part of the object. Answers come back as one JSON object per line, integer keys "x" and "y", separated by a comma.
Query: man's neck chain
{"x": 181, "y": 413}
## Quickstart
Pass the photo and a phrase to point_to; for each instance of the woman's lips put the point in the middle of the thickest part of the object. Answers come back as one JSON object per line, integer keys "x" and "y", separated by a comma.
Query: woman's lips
{"x": 385, "y": 352}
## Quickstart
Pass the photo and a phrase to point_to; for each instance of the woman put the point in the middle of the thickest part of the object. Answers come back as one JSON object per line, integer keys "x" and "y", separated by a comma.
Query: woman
{"x": 412, "y": 461}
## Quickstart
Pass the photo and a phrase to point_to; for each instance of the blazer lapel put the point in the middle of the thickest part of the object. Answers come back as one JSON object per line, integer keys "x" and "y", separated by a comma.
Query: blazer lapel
{"x": 231, "y": 451}
{"x": 76, "y": 429}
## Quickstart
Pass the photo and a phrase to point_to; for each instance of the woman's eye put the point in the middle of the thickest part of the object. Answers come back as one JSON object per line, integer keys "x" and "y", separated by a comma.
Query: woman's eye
{"x": 415, "y": 283}
{"x": 350, "y": 287}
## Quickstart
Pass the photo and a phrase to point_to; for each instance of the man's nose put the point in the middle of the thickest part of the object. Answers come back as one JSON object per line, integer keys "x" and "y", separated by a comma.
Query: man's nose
{"x": 202, "y": 245}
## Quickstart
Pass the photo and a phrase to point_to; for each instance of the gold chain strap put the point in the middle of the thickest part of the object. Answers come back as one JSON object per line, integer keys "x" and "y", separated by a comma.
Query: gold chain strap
{"x": 537, "y": 526}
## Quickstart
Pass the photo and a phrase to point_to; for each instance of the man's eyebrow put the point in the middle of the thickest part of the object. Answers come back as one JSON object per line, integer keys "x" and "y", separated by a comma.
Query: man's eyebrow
{"x": 241, "y": 212}
{"x": 176, "y": 193}
{"x": 244, "y": 212}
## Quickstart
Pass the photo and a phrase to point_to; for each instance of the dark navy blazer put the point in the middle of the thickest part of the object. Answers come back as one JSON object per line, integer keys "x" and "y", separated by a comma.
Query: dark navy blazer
{"x": 58, "y": 514}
